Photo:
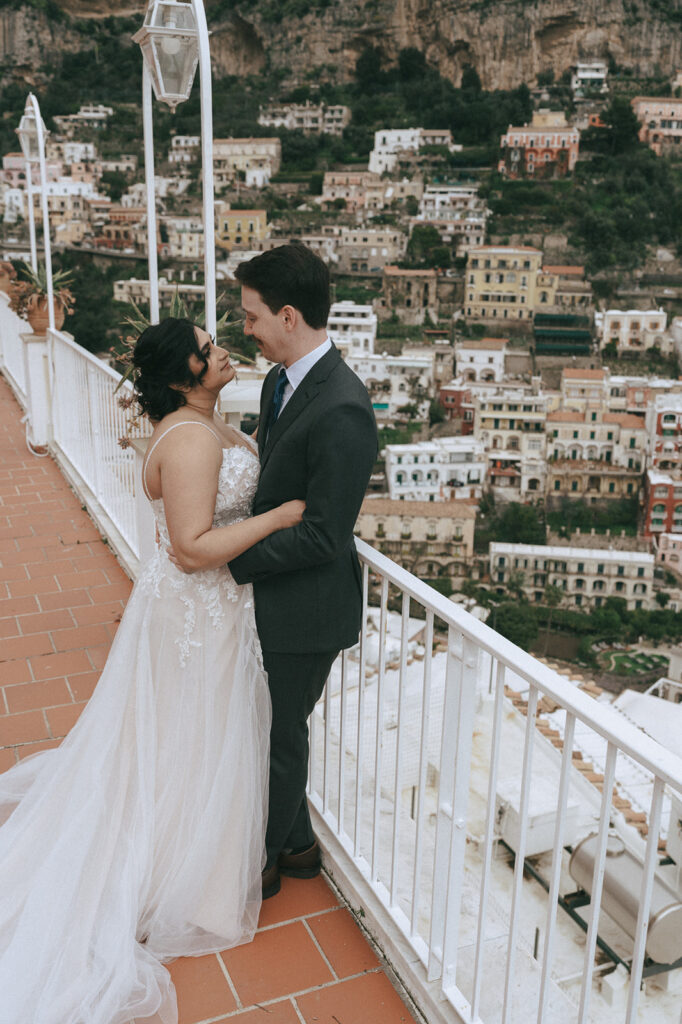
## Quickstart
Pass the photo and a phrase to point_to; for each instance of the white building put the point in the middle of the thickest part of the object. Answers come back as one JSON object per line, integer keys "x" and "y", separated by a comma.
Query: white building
{"x": 589, "y": 77}
{"x": 126, "y": 163}
{"x": 632, "y": 330}
{"x": 587, "y": 576}
{"x": 352, "y": 328}
{"x": 90, "y": 115}
{"x": 184, "y": 237}
{"x": 184, "y": 149}
{"x": 457, "y": 213}
{"x": 445, "y": 469}
{"x": 310, "y": 118}
{"x": 510, "y": 421}
{"x": 13, "y": 203}
{"x": 138, "y": 291}
{"x": 390, "y": 143}
{"x": 481, "y": 360}
{"x": 395, "y": 381}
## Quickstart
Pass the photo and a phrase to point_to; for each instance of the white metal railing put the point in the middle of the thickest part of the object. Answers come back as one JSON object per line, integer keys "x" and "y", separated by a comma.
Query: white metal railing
{"x": 409, "y": 749}
{"x": 11, "y": 348}
{"x": 87, "y": 422}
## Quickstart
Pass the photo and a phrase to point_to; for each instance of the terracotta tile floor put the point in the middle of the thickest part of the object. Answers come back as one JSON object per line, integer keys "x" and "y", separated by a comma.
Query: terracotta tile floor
{"x": 62, "y": 593}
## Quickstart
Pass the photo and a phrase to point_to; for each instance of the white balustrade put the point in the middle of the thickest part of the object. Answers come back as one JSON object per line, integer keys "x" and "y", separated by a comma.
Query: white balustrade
{"x": 410, "y": 747}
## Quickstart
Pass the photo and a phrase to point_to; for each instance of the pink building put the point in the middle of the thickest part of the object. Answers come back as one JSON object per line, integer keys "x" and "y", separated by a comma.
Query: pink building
{"x": 14, "y": 170}
{"x": 546, "y": 148}
{"x": 660, "y": 119}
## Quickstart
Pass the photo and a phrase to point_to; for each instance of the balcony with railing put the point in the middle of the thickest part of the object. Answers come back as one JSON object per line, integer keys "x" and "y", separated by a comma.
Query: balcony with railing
{"x": 510, "y": 842}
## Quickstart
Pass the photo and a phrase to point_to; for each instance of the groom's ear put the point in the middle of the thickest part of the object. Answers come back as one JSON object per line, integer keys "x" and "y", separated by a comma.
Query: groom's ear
{"x": 289, "y": 315}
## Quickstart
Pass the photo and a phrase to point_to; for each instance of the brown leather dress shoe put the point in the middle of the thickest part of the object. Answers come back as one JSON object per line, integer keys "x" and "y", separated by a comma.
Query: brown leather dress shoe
{"x": 271, "y": 882}
{"x": 301, "y": 865}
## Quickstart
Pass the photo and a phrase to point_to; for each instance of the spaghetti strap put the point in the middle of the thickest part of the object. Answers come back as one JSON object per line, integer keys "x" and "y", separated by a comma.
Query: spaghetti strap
{"x": 182, "y": 423}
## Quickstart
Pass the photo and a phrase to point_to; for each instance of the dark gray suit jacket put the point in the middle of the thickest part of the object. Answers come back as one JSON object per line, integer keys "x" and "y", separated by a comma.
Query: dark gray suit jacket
{"x": 307, "y": 579}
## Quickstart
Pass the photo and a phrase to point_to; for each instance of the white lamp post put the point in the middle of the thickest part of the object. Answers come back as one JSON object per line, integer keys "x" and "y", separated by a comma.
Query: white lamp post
{"x": 173, "y": 40}
{"x": 32, "y": 134}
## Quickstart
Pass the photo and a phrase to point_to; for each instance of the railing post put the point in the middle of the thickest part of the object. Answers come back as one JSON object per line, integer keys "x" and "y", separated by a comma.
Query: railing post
{"x": 37, "y": 378}
{"x": 453, "y": 799}
{"x": 144, "y": 517}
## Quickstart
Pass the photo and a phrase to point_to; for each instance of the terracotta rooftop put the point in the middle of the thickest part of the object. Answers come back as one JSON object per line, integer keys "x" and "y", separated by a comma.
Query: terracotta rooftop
{"x": 571, "y": 374}
{"x": 483, "y": 343}
{"x": 566, "y": 416}
{"x": 62, "y": 593}
{"x": 394, "y": 271}
{"x": 565, "y": 271}
{"x": 430, "y": 509}
{"x": 625, "y": 419}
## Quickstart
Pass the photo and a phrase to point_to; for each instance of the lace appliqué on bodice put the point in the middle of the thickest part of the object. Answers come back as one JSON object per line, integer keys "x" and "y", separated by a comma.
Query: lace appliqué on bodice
{"x": 212, "y": 588}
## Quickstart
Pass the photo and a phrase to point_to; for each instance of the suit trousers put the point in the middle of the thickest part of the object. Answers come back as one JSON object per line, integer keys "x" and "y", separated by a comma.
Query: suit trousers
{"x": 296, "y": 683}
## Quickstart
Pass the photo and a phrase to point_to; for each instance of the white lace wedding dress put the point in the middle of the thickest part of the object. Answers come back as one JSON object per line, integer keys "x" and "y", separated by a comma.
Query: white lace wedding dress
{"x": 141, "y": 837}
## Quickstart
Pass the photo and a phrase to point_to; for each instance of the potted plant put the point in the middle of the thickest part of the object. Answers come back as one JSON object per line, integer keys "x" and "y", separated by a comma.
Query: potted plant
{"x": 28, "y": 297}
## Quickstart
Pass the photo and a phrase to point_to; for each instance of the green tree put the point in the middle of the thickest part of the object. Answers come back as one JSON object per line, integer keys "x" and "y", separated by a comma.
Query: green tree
{"x": 518, "y": 524}
{"x": 552, "y": 597}
{"x": 516, "y": 583}
{"x": 623, "y": 126}
{"x": 426, "y": 248}
{"x": 662, "y": 598}
{"x": 436, "y": 412}
{"x": 517, "y": 622}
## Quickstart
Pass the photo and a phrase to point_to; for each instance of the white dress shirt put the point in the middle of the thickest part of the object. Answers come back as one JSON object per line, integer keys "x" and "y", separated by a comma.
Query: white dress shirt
{"x": 297, "y": 371}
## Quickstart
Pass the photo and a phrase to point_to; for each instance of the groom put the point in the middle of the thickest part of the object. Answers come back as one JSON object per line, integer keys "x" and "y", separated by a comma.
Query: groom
{"x": 317, "y": 440}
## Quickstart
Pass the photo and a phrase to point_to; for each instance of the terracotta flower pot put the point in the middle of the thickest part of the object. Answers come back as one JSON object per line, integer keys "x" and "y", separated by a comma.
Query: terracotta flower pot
{"x": 38, "y": 316}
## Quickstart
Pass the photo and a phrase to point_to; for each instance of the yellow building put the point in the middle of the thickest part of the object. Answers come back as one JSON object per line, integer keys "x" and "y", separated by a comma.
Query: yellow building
{"x": 240, "y": 229}
{"x": 501, "y": 282}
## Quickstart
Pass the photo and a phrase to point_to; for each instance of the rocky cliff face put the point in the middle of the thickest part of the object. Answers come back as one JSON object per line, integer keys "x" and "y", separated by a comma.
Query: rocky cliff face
{"x": 507, "y": 41}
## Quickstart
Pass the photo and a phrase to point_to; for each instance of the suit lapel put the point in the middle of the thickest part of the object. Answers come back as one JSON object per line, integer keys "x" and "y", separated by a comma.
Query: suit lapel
{"x": 302, "y": 396}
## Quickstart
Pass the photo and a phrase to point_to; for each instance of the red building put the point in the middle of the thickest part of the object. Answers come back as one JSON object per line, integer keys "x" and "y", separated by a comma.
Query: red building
{"x": 662, "y": 503}
{"x": 456, "y": 401}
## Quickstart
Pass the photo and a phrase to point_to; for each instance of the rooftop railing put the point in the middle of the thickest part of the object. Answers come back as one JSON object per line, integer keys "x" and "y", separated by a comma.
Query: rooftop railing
{"x": 444, "y": 771}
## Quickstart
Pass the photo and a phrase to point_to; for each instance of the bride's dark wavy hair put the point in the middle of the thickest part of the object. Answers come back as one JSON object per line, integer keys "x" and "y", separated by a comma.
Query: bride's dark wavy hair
{"x": 161, "y": 357}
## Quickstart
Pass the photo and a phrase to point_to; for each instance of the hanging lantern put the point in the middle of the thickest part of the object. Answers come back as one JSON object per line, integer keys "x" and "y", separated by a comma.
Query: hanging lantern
{"x": 170, "y": 48}
{"x": 28, "y": 133}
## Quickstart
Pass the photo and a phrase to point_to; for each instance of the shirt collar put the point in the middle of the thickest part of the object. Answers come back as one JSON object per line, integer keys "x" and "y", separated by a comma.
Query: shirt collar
{"x": 297, "y": 371}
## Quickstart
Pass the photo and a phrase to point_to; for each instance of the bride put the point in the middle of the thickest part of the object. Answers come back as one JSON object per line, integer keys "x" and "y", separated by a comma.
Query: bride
{"x": 141, "y": 837}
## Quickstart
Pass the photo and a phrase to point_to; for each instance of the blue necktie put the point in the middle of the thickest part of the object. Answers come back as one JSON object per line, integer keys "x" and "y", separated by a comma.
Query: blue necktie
{"x": 277, "y": 398}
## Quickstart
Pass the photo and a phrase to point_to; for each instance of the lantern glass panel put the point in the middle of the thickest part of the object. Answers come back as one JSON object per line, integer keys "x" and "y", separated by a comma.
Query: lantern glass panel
{"x": 176, "y": 67}
{"x": 169, "y": 43}
{"x": 28, "y": 137}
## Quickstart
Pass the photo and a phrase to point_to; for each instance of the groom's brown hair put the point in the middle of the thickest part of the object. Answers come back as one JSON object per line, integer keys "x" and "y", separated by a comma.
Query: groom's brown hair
{"x": 290, "y": 275}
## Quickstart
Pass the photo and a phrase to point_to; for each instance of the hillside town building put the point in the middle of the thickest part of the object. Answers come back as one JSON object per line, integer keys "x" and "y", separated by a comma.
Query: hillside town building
{"x": 411, "y": 295}
{"x": 481, "y": 360}
{"x": 588, "y": 78}
{"x": 252, "y": 160}
{"x": 241, "y": 229}
{"x": 546, "y": 148}
{"x": 444, "y": 469}
{"x": 429, "y": 538}
{"x": 660, "y": 118}
{"x": 391, "y": 143}
{"x": 309, "y": 118}
{"x": 632, "y": 330}
{"x": 501, "y": 282}
{"x": 352, "y": 328}
{"x": 587, "y": 576}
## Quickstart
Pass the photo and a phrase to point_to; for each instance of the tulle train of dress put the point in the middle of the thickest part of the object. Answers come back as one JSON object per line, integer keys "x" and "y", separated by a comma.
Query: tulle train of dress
{"x": 141, "y": 837}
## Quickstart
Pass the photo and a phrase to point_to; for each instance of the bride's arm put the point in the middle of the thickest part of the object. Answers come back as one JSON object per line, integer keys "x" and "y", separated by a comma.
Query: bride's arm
{"x": 189, "y": 468}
